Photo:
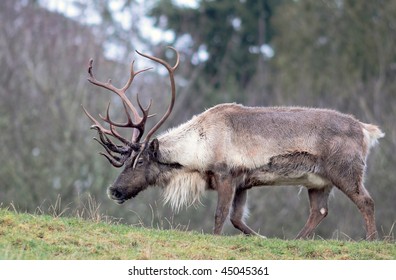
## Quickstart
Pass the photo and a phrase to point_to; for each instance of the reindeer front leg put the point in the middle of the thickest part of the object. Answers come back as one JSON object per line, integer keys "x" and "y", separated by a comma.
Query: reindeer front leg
{"x": 225, "y": 194}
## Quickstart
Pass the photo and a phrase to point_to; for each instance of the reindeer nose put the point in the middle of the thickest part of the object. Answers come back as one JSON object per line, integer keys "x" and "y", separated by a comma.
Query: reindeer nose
{"x": 114, "y": 194}
{"x": 117, "y": 194}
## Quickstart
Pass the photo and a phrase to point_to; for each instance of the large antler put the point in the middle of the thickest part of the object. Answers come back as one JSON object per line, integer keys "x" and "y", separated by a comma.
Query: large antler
{"x": 121, "y": 92}
{"x": 116, "y": 154}
{"x": 171, "y": 70}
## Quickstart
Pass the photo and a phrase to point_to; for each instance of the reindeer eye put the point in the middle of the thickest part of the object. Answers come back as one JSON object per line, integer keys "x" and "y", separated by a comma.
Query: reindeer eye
{"x": 140, "y": 161}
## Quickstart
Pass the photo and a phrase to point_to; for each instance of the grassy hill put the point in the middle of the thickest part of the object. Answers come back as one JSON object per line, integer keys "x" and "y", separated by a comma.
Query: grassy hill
{"x": 26, "y": 236}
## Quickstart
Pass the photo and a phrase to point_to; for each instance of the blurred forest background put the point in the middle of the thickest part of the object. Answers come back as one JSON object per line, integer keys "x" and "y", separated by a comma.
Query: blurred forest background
{"x": 338, "y": 54}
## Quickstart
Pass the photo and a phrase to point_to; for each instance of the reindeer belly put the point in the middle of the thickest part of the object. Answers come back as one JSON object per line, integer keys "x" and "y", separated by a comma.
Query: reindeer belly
{"x": 309, "y": 180}
{"x": 297, "y": 168}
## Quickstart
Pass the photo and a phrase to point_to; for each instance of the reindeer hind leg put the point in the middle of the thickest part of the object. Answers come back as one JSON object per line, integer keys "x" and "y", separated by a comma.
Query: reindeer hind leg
{"x": 362, "y": 199}
{"x": 348, "y": 177}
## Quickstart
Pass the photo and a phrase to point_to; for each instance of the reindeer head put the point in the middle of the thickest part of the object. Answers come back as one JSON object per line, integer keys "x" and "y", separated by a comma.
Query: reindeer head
{"x": 139, "y": 157}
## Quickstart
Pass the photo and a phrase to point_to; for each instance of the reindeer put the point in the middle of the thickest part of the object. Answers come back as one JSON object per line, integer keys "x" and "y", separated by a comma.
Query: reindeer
{"x": 231, "y": 148}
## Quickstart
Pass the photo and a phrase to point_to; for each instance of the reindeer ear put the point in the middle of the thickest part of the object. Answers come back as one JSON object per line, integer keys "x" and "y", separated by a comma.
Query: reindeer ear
{"x": 154, "y": 147}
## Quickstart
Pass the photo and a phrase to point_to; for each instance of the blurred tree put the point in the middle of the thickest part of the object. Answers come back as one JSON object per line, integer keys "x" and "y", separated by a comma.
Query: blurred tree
{"x": 350, "y": 42}
{"x": 115, "y": 23}
{"x": 42, "y": 86}
{"x": 236, "y": 36}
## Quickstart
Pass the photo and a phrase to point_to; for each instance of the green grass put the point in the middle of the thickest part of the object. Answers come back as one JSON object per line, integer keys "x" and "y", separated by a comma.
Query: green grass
{"x": 27, "y": 236}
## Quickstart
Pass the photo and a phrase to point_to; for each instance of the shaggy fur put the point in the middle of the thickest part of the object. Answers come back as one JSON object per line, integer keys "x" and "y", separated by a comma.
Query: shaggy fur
{"x": 231, "y": 148}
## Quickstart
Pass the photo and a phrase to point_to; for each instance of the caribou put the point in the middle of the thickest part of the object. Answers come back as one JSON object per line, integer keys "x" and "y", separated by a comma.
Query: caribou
{"x": 231, "y": 148}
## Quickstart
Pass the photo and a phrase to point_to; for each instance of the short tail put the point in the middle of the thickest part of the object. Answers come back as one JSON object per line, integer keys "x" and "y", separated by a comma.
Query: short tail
{"x": 371, "y": 134}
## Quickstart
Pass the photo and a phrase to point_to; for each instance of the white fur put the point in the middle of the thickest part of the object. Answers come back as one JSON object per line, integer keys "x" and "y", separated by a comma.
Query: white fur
{"x": 185, "y": 145}
{"x": 184, "y": 189}
{"x": 371, "y": 134}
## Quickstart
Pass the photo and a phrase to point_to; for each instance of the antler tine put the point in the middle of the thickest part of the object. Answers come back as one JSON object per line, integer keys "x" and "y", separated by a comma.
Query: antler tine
{"x": 104, "y": 140}
{"x": 171, "y": 70}
{"x": 144, "y": 110}
{"x": 96, "y": 125}
{"x": 108, "y": 85}
{"x": 115, "y": 161}
{"x": 107, "y": 119}
{"x": 119, "y": 91}
{"x": 108, "y": 144}
{"x": 132, "y": 75}
{"x": 141, "y": 125}
{"x": 110, "y": 147}
{"x": 101, "y": 129}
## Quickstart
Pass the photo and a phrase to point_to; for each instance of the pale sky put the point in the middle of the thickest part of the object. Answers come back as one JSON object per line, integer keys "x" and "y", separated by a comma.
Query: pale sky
{"x": 68, "y": 8}
{"x": 155, "y": 35}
